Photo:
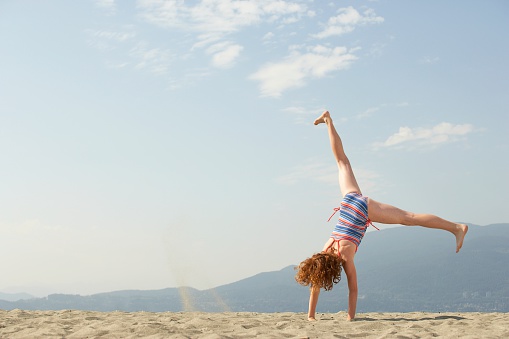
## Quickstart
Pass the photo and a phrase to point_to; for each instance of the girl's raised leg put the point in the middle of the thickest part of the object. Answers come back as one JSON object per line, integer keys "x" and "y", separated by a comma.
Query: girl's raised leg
{"x": 347, "y": 181}
{"x": 387, "y": 214}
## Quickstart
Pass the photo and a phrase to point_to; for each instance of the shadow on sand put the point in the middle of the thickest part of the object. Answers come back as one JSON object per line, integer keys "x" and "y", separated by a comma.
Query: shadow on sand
{"x": 440, "y": 317}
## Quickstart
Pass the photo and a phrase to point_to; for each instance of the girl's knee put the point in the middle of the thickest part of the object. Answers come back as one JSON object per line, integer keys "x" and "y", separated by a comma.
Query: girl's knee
{"x": 408, "y": 219}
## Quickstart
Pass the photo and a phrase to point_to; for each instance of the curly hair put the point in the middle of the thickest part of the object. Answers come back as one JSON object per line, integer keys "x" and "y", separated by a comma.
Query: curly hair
{"x": 322, "y": 270}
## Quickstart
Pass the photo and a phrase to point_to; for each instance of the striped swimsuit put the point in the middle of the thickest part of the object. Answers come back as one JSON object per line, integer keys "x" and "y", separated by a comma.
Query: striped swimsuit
{"x": 353, "y": 219}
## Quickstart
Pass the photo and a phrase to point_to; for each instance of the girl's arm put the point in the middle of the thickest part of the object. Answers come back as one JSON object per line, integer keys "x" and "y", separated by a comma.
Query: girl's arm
{"x": 313, "y": 300}
{"x": 351, "y": 276}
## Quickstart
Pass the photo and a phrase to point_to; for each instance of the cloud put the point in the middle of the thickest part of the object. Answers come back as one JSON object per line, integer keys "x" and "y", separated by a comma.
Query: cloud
{"x": 124, "y": 41}
{"x": 441, "y": 133}
{"x": 224, "y": 54}
{"x": 315, "y": 62}
{"x": 155, "y": 60}
{"x": 429, "y": 60}
{"x": 268, "y": 37}
{"x": 223, "y": 16}
{"x": 212, "y": 21}
{"x": 111, "y": 35}
{"x": 211, "y": 26}
{"x": 372, "y": 110}
{"x": 108, "y": 40}
{"x": 347, "y": 20}
{"x": 367, "y": 113}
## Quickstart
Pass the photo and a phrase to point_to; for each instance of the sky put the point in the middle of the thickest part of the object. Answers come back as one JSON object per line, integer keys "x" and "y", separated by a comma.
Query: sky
{"x": 152, "y": 144}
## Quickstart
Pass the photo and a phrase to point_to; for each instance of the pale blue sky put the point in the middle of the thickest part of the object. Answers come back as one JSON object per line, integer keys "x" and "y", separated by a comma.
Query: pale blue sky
{"x": 152, "y": 144}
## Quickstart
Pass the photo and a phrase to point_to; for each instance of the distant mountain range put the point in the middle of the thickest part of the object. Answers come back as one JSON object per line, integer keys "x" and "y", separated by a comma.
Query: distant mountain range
{"x": 15, "y": 296}
{"x": 401, "y": 269}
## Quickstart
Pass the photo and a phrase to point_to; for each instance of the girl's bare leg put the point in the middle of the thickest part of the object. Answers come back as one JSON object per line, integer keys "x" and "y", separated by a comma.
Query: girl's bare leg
{"x": 347, "y": 181}
{"x": 387, "y": 214}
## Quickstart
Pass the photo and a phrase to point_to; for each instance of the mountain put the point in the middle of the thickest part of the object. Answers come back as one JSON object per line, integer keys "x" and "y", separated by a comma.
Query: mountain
{"x": 400, "y": 269}
{"x": 15, "y": 296}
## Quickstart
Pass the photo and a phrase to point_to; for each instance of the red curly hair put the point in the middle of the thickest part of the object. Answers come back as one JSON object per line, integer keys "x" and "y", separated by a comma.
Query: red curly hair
{"x": 322, "y": 270}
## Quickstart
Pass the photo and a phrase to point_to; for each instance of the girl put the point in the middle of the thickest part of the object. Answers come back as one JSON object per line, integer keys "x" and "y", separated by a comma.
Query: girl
{"x": 323, "y": 269}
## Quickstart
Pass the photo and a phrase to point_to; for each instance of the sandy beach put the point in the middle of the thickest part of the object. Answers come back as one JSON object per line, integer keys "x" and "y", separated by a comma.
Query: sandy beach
{"x": 86, "y": 324}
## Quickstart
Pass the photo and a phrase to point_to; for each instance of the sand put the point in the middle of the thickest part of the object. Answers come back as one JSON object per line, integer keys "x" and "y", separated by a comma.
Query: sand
{"x": 85, "y": 324}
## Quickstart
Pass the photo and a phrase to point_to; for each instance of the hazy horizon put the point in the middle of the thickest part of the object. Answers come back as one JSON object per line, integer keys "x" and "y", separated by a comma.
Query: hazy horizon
{"x": 44, "y": 291}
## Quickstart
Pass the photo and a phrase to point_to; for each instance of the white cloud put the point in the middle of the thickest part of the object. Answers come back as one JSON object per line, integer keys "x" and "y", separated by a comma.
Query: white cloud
{"x": 316, "y": 62}
{"x": 298, "y": 110}
{"x": 124, "y": 41}
{"x": 223, "y": 16}
{"x": 429, "y": 60}
{"x": 117, "y": 65}
{"x": 190, "y": 78}
{"x": 224, "y": 54}
{"x": 268, "y": 37}
{"x": 162, "y": 12}
{"x": 441, "y": 133}
{"x": 208, "y": 25}
{"x": 108, "y": 40}
{"x": 402, "y": 104}
{"x": 213, "y": 20}
{"x": 385, "y": 106}
{"x": 377, "y": 49}
{"x": 155, "y": 60}
{"x": 206, "y": 39}
{"x": 367, "y": 113}
{"x": 110, "y": 35}
{"x": 347, "y": 20}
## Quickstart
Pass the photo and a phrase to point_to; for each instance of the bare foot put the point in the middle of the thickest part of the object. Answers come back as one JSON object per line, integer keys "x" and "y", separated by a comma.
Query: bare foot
{"x": 311, "y": 319}
{"x": 461, "y": 231}
{"x": 321, "y": 119}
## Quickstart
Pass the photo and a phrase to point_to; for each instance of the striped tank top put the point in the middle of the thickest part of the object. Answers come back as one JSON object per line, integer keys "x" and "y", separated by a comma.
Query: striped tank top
{"x": 353, "y": 219}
